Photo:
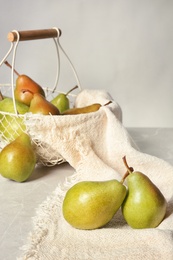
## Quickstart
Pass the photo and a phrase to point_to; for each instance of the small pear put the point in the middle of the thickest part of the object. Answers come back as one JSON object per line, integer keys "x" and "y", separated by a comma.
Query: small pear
{"x": 18, "y": 159}
{"x": 84, "y": 110}
{"x": 39, "y": 105}
{"x": 144, "y": 205}
{"x": 61, "y": 101}
{"x": 11, "y": 126}
{"x": 23, "y": 82}
{"x": 92, "y": 204}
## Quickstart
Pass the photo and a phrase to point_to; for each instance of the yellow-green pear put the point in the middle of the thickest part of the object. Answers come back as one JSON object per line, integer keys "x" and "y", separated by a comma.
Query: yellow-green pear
{"x": 144, "y": 205}
{"x": 18, "y": 159}
{"x": 84, "y": 110}
{"x": 92, "y": 204}
{"x": 11, "y": 125}
{"x": 61, "y": 101}
{"x": 7, "y": 105}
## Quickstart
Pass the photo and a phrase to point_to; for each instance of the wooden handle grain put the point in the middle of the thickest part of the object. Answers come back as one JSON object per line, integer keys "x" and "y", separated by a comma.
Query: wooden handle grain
{"x": 33, "y": 35}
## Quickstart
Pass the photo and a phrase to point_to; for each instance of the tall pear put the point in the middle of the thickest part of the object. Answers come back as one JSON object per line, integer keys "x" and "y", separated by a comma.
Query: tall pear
{"x": 39, "y": 105}
{"x": 23, "y": 83}
{"x": 144, "y": 205}
{"x": 18, "y": 159}
{"x": 61, "y": 101}
{"x": 92, "y": 204}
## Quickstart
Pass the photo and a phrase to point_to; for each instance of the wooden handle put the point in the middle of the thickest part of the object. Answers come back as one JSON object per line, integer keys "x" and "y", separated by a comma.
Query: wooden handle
{"x": 33, "y": 35}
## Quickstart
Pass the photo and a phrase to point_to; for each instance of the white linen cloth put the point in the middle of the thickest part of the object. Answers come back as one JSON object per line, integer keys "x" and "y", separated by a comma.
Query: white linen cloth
{"x": 94, "y": 145}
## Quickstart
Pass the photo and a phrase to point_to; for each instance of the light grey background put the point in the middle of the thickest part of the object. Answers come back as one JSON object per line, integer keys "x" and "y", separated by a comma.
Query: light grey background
{"x": 122, "y": 46}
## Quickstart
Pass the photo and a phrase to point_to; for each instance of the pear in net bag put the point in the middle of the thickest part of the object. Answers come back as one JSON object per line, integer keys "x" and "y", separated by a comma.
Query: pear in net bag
{"x": 65, "y": 137}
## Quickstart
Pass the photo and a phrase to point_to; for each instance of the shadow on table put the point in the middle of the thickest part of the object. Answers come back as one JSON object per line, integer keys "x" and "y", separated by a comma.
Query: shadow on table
{"x": 41, "y": 171}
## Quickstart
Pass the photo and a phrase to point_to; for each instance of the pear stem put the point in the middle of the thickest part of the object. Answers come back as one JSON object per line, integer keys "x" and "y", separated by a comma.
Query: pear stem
{"x": 129, "y": 170}
{"x": 27, "y": 90}
{"x": 9, "y": 65}
{"x": 124, "y": 177}
{"x": 1, "y": 96}
{"x": 109, "y": 102}
{"x": 71, "y": 90}
{"x": 126, "y": 174}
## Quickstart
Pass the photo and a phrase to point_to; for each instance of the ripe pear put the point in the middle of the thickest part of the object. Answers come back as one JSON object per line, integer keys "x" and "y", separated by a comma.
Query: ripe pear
{"x": 61, "y": 101}
{"x": 18, "y": 159}
{"x": 39, "y": 105}
{"x": 83, "y": 110}
{"x": 11, "y": 126}
{"x": 92, "y": 204}
{"x": 23, "y": 83}
{"x": 144, "y": 205}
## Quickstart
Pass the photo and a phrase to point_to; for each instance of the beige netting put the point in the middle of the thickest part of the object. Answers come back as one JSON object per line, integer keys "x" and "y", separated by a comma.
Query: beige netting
{"x": 12, "y": 124}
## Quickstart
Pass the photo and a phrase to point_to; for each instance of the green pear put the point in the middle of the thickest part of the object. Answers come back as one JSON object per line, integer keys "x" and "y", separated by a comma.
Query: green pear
{"x": 61, "y": 101}
{"x": 92, "y": 204}
{"x": 11, "y": 126}
{"x": 39, "y": 105}
{"x": 18, "y": 159}
{"x": 7, "y": 105}
{"x": 144, "y": 205}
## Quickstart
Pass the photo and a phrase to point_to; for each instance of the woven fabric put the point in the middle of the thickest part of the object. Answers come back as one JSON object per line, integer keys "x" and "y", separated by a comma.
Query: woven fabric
{"x": 94, "y": 145}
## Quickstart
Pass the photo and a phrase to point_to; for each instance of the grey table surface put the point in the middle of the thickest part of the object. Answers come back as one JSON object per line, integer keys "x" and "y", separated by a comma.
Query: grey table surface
{"x": 19, "y": 201}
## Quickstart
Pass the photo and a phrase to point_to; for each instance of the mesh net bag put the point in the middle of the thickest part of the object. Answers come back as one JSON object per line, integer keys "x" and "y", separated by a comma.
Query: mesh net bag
{"x": 12, "y": 123}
